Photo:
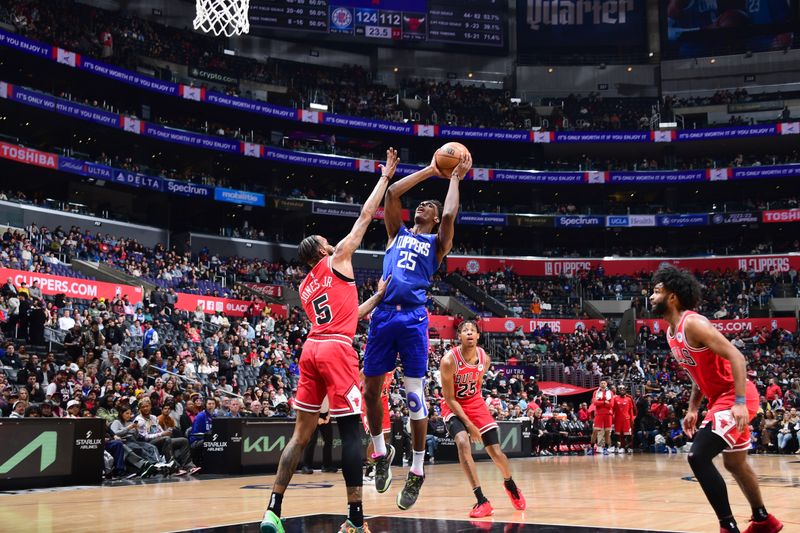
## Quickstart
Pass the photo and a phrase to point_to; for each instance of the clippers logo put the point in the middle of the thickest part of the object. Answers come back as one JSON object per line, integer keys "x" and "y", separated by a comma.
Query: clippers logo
{"x": 341, "y": 18}
{"x": 473, "y": 266}
{"x": 509, "y": 325}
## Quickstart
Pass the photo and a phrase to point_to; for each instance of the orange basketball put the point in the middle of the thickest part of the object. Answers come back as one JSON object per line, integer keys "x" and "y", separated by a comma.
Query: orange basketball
{"x": 449, "y": 155}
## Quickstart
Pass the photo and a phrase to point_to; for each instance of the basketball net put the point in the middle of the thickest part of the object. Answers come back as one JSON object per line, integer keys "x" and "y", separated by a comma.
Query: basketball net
{"x": 228, "y": 17}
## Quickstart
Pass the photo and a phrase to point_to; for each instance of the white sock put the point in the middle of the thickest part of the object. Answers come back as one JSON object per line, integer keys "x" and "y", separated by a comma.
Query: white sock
{"x": 417, "y": 463}
{"x": 379, "y": 444}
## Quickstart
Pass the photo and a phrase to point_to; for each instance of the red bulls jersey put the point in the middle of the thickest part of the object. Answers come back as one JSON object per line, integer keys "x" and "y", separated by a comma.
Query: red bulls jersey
{"x": 331, "y": 302}
{"x": 711, "y": 373}
{"x": 622, "y": 407}
{"x": 467, "y": 377}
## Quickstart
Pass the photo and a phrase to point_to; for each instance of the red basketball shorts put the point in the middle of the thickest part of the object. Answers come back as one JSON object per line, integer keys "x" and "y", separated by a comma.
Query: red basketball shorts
{"x": 602, "y": 420}
{"x": 722, "y": 421}
{"x": 329, "y": 368}
{"x": 476, "y": 412}
{"x": 622, "y": 425}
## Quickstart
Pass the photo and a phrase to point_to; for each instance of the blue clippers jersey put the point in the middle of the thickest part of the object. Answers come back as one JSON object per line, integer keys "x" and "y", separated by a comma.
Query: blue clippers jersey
{"x": 411, "y": 261}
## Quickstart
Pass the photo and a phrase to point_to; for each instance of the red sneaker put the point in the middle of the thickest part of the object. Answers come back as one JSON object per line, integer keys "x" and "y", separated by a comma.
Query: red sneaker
{"x": 770, "y": 525}
{"x": 481, "y": 510}
{"x": 519, "y": 501}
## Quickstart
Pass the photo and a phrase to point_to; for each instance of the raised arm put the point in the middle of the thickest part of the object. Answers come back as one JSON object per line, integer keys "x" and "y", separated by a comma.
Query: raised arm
{"x": 447, "y": 227}
{"x": 366, "y": 308}
{"x": 344, "y": 250}
{"x": 393, "y": 209}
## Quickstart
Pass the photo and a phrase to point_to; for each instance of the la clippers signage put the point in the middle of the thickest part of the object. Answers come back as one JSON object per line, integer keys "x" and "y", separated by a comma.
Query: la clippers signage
{"x": 733, "y": 326}
{"x": 227, "y": 306}
{"x": 510, "y": 325}
{"x": 622, "y": 266}
{"x": 82, "y": 289}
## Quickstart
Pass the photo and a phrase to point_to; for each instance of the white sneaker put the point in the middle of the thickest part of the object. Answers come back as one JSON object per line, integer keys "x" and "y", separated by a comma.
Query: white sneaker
{"x": 612, "y": 449}
{"x": 629, "y": 450}
{"x": 369, "y": 480}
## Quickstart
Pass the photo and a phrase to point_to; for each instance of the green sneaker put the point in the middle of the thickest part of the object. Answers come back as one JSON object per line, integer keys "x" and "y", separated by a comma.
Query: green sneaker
{"x": 348, "y": 527}
{"x": 271, "y": 523}
{"x": 408, "y": 496}
{"x": 383, "y": 470}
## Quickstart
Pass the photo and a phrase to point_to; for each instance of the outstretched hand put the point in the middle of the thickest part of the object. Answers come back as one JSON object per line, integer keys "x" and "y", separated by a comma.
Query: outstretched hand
{"x": 392, "y": 160}
{"x": 463, "y": 167}
{"x": 383, "y": 283}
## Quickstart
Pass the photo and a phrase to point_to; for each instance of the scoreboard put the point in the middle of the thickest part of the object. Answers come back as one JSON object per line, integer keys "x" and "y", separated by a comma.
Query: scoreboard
{"x": 482, "y": 23}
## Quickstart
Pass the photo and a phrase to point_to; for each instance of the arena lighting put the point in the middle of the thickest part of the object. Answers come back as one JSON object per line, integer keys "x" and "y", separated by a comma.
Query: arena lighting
{"x": 629, "y": 69}
{"x": 228, "y": 52}
{"x": 550, "y": 70}
{"x": 712, "y": 60}
{"x": 318, "y": 107}
{"x": 667, "y": 124}
{"x": 651, "y": 54}
{"x": 516, "y": 101}
{"x": 397, "y": 69}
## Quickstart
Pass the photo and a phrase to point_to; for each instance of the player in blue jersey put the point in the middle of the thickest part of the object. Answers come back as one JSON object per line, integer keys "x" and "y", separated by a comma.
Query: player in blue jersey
{"x": 399, "y": 325}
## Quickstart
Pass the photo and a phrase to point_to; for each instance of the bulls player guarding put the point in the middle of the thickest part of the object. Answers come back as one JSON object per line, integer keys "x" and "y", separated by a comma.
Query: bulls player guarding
{"x": 468, "y": 418}
{"x": 328, "y": 363}
{"x": 718, "y": 372}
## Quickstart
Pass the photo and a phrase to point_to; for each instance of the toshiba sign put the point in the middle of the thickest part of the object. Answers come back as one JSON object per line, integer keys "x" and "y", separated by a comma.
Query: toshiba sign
{"x": 782, "y": 215}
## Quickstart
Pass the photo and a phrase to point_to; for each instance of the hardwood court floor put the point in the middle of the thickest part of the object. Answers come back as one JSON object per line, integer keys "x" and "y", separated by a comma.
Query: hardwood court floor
{"x": 651, "y": 492}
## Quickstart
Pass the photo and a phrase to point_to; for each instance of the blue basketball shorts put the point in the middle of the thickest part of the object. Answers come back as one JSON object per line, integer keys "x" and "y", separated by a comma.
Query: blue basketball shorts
{"x": 393, "y": 332}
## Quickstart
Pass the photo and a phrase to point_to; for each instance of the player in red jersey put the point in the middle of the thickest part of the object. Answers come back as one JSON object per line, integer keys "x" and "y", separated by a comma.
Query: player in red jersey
{"x": 468, "y": 418}
{"x": 624, "y": 412}
{"x": 601, "y": 432}
{"x": 328, "y": 363}
{"x": 369, "y": 473}
{"x": 718, "y": 372}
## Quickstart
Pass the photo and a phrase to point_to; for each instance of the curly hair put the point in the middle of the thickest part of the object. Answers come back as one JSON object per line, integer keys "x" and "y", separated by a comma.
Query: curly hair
{"x": 469, "y": 321}
{"x": 681, "y": 283}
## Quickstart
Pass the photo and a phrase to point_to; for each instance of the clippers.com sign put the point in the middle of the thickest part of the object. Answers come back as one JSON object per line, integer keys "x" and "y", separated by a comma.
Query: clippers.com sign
{"x": 743, "y": 325}
{"x": 81, "y": 289}
{"x": 622, "y": 266}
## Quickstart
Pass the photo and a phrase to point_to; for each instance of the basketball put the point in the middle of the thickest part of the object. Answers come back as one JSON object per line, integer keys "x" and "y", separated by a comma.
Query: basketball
{"x": 449, "y": 155}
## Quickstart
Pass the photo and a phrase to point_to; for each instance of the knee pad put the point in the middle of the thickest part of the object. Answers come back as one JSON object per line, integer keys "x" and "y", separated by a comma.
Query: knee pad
{"x": 415, "y": 397}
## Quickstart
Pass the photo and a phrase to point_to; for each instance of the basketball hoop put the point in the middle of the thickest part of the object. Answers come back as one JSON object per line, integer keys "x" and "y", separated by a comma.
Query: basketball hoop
{"x": 219, "y": 17}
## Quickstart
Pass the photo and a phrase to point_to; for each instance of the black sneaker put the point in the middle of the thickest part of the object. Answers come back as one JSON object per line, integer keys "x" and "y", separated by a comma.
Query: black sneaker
{"x": 149, "y": 470}
{"x": 307, "y": 470}
{"x": 408, "y": 496}
{"x": 383, "y": 470}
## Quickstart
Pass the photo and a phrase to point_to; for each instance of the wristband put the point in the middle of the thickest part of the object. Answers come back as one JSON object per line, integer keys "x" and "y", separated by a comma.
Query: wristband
{"x": 741, "y": 400}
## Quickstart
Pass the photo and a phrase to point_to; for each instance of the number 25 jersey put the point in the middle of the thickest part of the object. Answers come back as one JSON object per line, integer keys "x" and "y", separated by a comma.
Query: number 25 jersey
{"x": 331, "y": 302}
{"x": 411, "y": 261}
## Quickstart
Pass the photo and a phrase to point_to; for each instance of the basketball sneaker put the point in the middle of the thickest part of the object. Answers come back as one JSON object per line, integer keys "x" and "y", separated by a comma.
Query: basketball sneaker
{"x": 271, "y": 523}
{"x": 348, "y": 527}
{"x": 408, "y": 496}
{"x": 770, "y": 525}
{"x": 519, "y": 501}
{"x": 383, "y": 469}
{"x": 480, "y": 510}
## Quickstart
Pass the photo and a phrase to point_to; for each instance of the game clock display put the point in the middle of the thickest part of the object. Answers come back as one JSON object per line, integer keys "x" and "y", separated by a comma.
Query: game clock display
{"x": 472, "y": 22}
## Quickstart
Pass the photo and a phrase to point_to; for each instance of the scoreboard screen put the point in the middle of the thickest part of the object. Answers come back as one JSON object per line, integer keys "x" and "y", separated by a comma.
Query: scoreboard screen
{"x": 481, "y": 23}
